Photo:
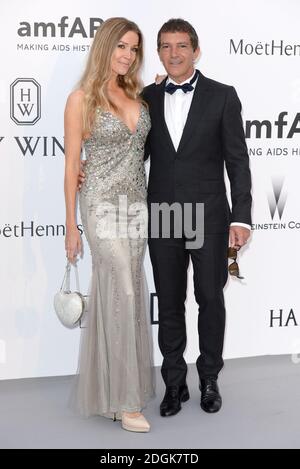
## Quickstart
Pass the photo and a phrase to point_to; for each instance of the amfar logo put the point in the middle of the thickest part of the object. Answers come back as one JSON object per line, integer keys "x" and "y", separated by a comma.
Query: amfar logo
{"x": 61, "y": 29}
{"x": 268, "y": 129}
{"x": 277, "y": 199}
{"x": 25, "y": 101}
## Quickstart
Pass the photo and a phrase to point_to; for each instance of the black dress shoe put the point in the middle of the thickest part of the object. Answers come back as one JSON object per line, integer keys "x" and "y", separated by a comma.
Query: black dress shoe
{"x": 174, "y": 396}
{"x": 211, "y": 400}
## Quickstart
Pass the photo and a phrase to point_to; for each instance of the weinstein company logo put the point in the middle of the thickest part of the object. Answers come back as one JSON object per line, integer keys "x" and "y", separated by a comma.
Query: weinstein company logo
{"x": 272, "y": 48}
{"x": 277, "y": 198}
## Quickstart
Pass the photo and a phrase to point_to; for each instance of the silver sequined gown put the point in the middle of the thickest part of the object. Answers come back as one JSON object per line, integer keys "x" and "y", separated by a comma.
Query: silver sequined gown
{"x": 115, "y": 362}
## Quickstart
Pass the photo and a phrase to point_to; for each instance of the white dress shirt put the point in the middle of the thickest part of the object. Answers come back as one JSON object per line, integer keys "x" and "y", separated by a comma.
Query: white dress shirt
{"x": 177, "y": 106}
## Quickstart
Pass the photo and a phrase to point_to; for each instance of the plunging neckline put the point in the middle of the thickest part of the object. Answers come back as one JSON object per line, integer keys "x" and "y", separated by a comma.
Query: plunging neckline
{"x": 124, "y": 124}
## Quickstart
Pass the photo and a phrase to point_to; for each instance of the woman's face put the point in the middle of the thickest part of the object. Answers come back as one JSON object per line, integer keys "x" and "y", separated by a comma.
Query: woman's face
{"x": 125, "y": 53}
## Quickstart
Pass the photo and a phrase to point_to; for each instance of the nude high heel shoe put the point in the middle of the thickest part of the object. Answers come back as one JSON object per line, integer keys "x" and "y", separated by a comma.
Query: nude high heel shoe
{"x": 135, "y": 424}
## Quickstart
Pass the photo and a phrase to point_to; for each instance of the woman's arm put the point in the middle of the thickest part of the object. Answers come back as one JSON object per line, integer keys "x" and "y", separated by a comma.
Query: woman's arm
{"x": 73, "y": 142}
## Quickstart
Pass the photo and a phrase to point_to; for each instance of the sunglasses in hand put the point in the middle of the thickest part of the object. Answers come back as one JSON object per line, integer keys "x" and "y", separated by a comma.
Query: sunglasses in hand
{"x": 233, "y": 268}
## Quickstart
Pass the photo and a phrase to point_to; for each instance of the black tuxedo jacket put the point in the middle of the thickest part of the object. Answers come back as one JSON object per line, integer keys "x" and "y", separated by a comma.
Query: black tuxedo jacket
{"x": 213, "y": 135}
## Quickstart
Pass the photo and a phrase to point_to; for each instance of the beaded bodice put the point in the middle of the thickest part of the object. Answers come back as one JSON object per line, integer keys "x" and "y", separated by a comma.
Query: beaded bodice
{"x": 115, "y": 158}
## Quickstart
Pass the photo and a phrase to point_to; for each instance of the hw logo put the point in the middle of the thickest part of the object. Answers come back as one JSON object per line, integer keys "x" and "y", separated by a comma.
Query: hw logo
{"x": 277, "y": 199}
{"x": 25, "y": 101}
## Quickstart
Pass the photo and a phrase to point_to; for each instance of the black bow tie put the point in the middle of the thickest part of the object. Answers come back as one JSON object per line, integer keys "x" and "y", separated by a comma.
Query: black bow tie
{"x": 171, "y": 87}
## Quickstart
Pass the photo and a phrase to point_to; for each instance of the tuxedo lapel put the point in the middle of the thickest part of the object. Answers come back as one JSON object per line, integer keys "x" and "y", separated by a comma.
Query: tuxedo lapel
{"x": 199, "y": 102}
{"x": 161, "y": 115}
{"x": 196, "y": 111}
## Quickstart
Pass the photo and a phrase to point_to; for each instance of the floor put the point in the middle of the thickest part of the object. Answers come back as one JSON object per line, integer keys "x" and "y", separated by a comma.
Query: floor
{"x": 261, "y": 409}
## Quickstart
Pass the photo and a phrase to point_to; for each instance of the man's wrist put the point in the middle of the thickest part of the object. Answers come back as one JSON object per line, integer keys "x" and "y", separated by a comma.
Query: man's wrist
{"x": 244, "y": 225}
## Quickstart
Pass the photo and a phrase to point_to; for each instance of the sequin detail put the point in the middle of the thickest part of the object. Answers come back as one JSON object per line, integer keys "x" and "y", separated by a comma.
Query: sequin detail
{"x": 115, "y": 158}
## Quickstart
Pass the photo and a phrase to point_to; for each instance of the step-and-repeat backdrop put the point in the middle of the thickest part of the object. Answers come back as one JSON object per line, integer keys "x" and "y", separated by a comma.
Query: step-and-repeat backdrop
{"x": 44, "y": 45}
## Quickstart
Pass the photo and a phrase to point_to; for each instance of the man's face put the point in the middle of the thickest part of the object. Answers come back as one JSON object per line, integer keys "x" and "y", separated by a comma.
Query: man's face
{"x": 177, "y": 55}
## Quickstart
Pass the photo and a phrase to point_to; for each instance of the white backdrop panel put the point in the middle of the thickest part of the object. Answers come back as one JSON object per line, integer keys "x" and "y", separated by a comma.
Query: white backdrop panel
{"x": 236, "y": 40}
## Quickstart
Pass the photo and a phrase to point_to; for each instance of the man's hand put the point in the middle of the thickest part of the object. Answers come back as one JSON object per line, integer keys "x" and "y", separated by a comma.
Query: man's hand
{"x": 238, "y": 236}
{"x": 81, "y": 176}
{"x": 159, "y": 79}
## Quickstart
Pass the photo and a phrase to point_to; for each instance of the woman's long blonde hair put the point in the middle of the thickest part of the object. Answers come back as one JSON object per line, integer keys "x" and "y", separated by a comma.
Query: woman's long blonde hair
{"x": 98, "y": 69}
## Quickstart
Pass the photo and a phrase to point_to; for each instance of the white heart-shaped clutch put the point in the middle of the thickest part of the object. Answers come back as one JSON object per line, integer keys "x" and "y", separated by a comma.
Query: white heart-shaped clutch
{"x": 69, "y": 307}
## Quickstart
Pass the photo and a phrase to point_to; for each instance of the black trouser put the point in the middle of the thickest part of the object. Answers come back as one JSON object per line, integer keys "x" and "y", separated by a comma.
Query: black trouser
{"x": 170, "y": 260}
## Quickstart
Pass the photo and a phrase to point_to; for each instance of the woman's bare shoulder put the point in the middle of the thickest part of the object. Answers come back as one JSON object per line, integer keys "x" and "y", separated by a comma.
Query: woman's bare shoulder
{"x": 75, "y": 99}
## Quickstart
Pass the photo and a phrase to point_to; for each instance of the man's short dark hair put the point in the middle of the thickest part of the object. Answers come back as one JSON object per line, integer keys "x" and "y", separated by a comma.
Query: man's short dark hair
{"x": 177, "y": 25}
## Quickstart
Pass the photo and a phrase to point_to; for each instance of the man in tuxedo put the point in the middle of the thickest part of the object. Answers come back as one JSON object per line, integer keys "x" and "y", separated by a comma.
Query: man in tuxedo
{"x": 196, "y": 130}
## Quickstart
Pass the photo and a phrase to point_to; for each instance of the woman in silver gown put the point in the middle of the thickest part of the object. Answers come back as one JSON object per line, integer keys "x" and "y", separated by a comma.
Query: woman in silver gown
{"x": 106, "y": 115}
